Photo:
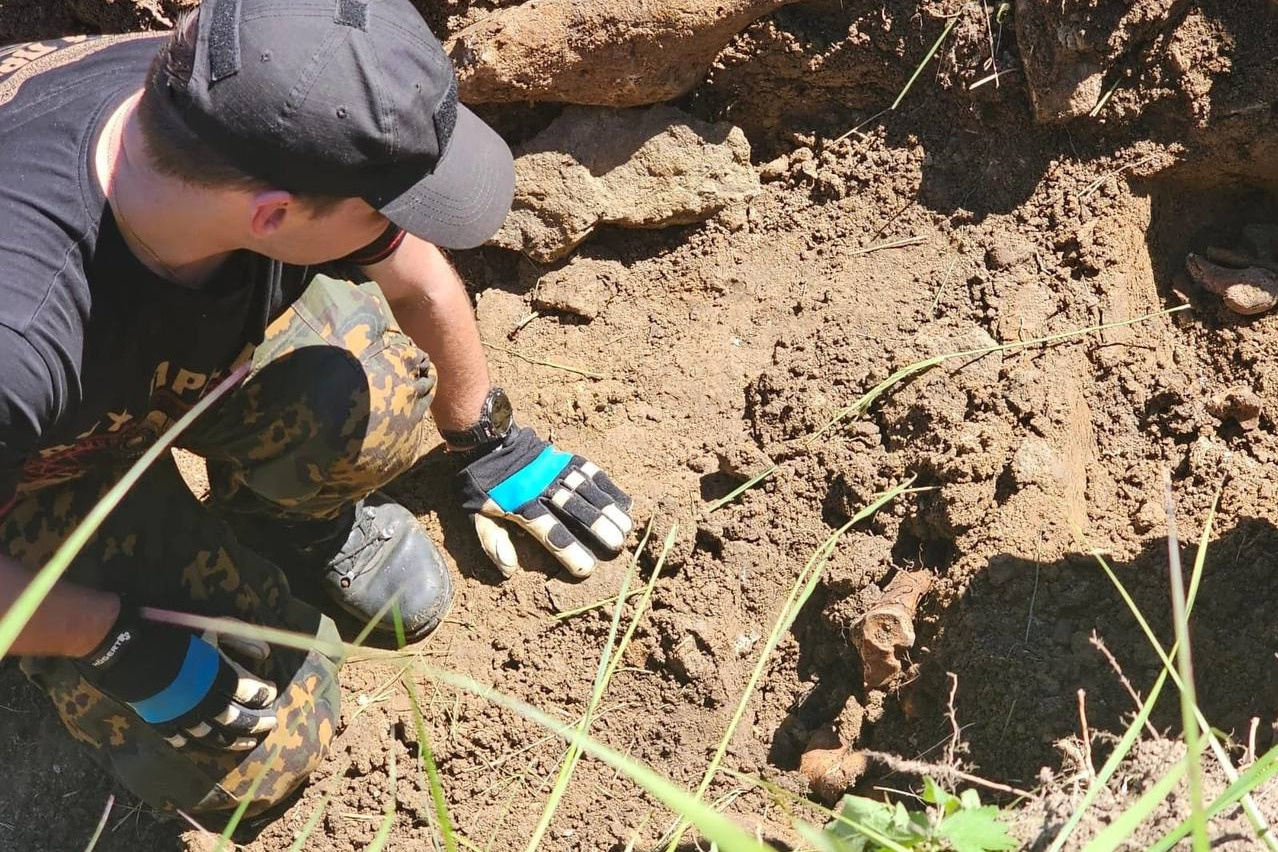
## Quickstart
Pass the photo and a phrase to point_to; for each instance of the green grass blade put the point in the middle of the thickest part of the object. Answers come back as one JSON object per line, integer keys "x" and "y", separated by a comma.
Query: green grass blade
{"x": 576, "y": 611}
{"x": 804, "y": 585}
{"x": 926, "y": 59}
{"x": 97, "y": 832}
{"x": 397, "y": 621}
{"x": 246, "y": 800}
{"x": 644, "y": 602}
{"x": 383, "y": 833}
{"x": 426, "y": 757}
{"x": 1123, "y": 828}
{"x": 24, "y": 608}
{"x": 1257, "y": 774}
{"x": 741, "y": 489}
{"x": 1129, "y": 738}
{"x": 231, "y": 627}
{"x": 1100, "y": 104}
{"x": 863, "y": 404}
{"x": 717, "y": 828}
{"x": 1257, "y": 820}
{"x": 312, "y": 822}
{"x": 602, "y": 676}
{"x": 1132, "y": 734}
{"x": 1185, "y": 666}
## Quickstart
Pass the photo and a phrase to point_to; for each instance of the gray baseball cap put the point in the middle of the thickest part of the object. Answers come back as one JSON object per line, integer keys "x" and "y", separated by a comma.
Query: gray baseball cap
{"x": 348, "y": 98}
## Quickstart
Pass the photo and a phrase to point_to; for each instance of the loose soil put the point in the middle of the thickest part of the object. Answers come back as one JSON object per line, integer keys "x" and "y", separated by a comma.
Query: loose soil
{"x": 725, "y": 344}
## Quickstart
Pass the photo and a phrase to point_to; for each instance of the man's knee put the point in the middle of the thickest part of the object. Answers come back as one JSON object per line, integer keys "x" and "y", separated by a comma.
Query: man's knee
{"x": 340, "y": 428}
{"x": 307, "y": 714}
{"x": 336, "y": 407}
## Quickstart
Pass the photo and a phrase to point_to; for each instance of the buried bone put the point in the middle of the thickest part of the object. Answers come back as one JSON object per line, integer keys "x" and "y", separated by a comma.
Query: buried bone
{"x": 829, "y": 766}
{"x": 1248, "y": 291}
{"x": 888, "y": 628}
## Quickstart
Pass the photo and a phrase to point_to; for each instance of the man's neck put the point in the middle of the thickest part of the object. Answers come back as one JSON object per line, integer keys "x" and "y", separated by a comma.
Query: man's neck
{"x": 171, "y": 227}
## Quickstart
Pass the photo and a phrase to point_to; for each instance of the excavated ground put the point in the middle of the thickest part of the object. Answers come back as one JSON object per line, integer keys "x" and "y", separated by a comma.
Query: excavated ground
{"x": 725, "y": 344}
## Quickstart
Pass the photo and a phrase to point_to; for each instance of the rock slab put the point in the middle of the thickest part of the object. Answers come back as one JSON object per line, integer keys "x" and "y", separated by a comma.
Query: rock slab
{"x": 640, "y": 168}
{"x": 581, "y": 289}
{"x": 614, "y": 53}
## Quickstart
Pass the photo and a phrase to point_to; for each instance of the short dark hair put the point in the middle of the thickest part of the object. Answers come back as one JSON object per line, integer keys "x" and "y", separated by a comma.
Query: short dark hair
{"x": 177, "y": 151}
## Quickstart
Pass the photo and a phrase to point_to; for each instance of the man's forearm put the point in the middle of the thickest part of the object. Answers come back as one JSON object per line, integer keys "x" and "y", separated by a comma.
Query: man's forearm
{"x": 71, "y": 621}
{"x": 431, "y": 306}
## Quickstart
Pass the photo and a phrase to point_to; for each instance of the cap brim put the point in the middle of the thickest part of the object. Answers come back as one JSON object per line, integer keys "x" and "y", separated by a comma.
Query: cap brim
{"x": 464, "y": 201}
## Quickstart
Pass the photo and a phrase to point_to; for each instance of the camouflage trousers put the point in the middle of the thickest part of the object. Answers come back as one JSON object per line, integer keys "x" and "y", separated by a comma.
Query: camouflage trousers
{"x": 334, "y": 407}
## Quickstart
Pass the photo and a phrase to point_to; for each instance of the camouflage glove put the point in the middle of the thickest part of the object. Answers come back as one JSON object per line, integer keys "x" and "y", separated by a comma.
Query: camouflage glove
{"x": 180, "y": 683}
{"x": 562, "y": 500}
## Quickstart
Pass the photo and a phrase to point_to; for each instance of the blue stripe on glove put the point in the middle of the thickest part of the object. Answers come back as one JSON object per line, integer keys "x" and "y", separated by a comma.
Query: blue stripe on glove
{"x": 188, "y": 689}
{"x": 531, "y": 480}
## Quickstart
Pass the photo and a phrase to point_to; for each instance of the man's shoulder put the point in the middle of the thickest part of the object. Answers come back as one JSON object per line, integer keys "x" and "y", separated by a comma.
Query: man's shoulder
{"x": 53, "y": 93}
{"x": 37, "y": 70}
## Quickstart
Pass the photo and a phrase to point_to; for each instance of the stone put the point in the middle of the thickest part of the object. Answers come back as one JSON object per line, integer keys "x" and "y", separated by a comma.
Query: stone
{"x": 741, "y": 460}
{"x": 615, "y": 53}
{"x": 1037, "y": 462}
{"x": 643, "y": 168}
{"x": 1010, "y": 251}
{"x": 775, "y": 169}
{"x": 582, "y": 288}
{"x": 1239, "y": 403}
{"x": 498, "y": 312}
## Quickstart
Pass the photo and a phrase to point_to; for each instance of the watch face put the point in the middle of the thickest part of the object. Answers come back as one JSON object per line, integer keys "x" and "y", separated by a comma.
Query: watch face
{"x": 500, "y": 413}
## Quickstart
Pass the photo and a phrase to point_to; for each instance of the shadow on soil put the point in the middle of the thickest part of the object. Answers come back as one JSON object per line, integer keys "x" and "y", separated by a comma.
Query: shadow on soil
{"x": 1019, "y": 641}
{"x": 54, "y": 793}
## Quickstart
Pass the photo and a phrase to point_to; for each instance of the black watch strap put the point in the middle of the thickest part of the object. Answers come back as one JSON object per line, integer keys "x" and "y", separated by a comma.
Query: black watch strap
{"x": 496, "y": 418}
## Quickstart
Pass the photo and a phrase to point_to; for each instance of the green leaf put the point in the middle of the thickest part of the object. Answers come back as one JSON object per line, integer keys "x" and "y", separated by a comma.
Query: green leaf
{"x": 935, "y": 794}
{"x": 875, "y": 816}
{"x": 878, "y": 825}
{"x": 821, "y": 840}
{"x": 976, "y": 830}
{"x": 861, "y": 809}
{"x": 902, "y": 820}
{"x": 970, "y": 799}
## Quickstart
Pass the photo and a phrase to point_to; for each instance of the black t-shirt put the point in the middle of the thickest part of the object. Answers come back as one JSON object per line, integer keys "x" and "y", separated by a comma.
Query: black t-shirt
{"x": 98, "y": 355}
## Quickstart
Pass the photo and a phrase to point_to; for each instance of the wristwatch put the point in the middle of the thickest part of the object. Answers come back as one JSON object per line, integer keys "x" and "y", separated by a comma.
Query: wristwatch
{"x": 496, "y": 417}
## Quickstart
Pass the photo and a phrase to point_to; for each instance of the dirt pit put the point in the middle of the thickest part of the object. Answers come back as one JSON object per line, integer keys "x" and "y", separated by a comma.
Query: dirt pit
{"x": 880, "y": 237}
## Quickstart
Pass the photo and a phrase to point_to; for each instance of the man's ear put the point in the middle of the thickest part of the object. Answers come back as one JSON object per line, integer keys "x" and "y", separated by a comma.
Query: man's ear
{"x": 269, "y": 209}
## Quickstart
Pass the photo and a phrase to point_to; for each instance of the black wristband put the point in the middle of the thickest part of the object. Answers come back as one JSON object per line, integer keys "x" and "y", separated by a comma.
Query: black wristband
{"x": 379, "y": 249}
{"x": 122, "y": 636}
{"x": 138, "y": 658}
